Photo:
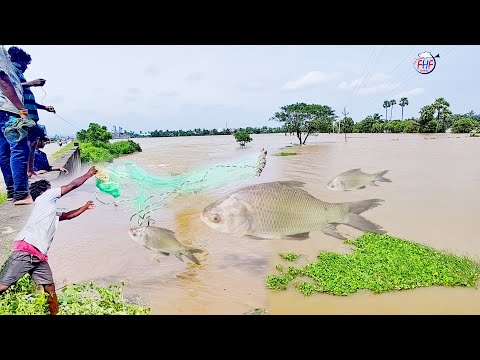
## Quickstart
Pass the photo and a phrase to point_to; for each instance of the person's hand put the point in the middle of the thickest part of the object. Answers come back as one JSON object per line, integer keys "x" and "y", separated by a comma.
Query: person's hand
{"x": 92, "y": 171}
{"x": 38, "y": 82}
{"x": 64, "y": 170}
{"x": 50, "y": 108}
{"x": 24, "y": 116}
{"x": 89, "y": 205}
{"x": 31, "y": 173}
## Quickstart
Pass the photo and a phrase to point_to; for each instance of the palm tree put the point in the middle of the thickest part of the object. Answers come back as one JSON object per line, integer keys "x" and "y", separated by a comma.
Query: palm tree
{"x": 441, "y": 106}
{"x": 403, "y": 102}
{"x": 386, "y": 105}
{"x": 392, "y": 102}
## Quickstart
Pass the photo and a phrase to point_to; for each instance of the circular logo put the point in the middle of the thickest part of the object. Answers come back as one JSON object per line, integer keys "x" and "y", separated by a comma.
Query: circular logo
{"x": 425, "y": 63}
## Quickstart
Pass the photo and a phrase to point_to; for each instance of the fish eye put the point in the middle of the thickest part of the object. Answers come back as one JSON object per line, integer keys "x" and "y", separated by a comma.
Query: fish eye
{"x": 216, "y": 218}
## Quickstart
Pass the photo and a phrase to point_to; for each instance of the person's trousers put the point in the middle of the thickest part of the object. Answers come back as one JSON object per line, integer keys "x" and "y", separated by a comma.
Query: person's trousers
{"x": 13, "y": 162}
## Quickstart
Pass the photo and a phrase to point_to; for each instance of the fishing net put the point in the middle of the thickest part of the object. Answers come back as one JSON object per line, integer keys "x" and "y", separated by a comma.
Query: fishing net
{"x": 17, "y": 128}
{"x": 153, "y": 191}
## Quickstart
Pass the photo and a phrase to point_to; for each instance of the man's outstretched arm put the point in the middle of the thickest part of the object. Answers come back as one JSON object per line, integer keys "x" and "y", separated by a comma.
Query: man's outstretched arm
{"x": 74, "y": 213}
{"x": 78, "y": 181}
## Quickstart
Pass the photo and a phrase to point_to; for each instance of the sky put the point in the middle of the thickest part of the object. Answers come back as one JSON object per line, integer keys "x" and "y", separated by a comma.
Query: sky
{"x": 160, "y": 87}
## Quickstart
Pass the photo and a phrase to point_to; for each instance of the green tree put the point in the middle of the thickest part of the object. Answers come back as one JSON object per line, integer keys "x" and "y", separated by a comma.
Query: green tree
{"x": 242, "y": 137}
{"x": 426, "y": 116}
{"x": 346, "y": 125}
{"x": 304, "y": 119}
{"x": 411, "y": 126}
{"x": 386, "y": 105}
{"x": 403, "y": 103}
{"x": 94, "y": 134}
{"x": 392, "y": 102}
{"x": 463, "y": 125}
{"x": 441, "y": 106}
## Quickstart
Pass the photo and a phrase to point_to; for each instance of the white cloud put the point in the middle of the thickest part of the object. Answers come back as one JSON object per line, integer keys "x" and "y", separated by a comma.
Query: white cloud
{"x": 377, "y": 89}
{"x": 375, "y": 84}
{"x": 310, "y": 79}
{"x": 411, "y": 93}
{"x": 345, "y": 85}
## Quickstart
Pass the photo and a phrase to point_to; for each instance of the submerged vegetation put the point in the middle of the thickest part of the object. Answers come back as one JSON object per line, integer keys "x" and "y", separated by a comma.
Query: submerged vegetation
{"x": 289, "y": 256}
{"x": 26, "y": 298}
{"x": 285, "y": 153}
{"x": 96, "y": 148}
{"x": 379, "y": 263}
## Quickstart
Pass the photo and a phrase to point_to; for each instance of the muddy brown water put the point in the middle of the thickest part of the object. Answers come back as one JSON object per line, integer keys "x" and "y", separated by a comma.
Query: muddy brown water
{"x": 434, "y": 198}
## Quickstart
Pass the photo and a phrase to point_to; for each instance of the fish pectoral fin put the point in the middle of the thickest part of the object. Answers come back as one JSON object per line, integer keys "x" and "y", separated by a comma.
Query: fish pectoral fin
{"x": 179, "y": 256}
{"x": 301, "y": 236}
{"x": 331, "y": 230}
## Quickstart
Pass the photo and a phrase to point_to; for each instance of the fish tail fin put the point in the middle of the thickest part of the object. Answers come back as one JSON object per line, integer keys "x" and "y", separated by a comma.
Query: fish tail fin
{"x": 379, "y": 176}
{"x": 359, "y": 222}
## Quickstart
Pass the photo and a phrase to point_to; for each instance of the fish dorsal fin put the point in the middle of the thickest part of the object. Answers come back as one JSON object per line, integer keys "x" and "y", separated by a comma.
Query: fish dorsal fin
{"x": 352, "y": 171}
{"x": 292, "y": 183}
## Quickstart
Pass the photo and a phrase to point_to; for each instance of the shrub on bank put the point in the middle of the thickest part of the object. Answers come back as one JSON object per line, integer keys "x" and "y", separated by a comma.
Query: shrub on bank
{"x": 99, "y": 152}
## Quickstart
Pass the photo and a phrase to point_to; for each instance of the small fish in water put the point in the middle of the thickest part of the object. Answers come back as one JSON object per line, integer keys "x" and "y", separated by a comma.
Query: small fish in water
{"x": 162, "y": 241}
{"x": 282, "y": 210}
{"x": 356, "y": 179}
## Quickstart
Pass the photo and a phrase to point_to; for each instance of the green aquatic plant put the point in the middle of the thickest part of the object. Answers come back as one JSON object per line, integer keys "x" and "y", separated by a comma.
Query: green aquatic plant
{"x": 289, "y": 256}
{"x": 379, "y": 263}
{"x": 257, "y": 311}
{"x": 26, "y": 298}
{"x": 285, "y": 153}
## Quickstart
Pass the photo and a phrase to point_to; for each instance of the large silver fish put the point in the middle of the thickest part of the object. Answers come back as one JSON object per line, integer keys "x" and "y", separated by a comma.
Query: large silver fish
{"x": 162, "y": 241}
{"x": 356, "y": 179}
{"x": 282, "y": 210}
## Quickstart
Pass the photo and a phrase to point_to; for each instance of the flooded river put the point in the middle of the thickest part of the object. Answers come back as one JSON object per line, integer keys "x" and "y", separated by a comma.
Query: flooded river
{"x": 434, "y": 198}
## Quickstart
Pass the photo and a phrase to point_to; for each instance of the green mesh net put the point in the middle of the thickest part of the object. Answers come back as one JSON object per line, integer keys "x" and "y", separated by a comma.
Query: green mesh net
{"x": 153, "y": 191}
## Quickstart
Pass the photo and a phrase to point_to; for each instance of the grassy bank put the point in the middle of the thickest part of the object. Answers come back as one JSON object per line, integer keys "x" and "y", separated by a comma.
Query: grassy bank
{"x": 25, "y": 298}
{"x": 100, "y": 152}
{"x": 379, "y": 263}
{"x": 62, "y": 150}
{"x": 3, "y": 197}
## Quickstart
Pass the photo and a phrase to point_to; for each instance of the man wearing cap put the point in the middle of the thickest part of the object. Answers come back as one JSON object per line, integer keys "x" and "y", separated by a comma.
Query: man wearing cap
{"x": 41, "y": 164}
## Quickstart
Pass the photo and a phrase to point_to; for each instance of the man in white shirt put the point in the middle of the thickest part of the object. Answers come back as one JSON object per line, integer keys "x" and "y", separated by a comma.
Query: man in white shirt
{"x": 29, "y": 251}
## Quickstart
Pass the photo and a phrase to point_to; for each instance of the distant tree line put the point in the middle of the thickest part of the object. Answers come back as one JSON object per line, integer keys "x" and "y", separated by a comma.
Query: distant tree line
{"x": 226, "y": 131}
{"x": 303, "y": 120}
